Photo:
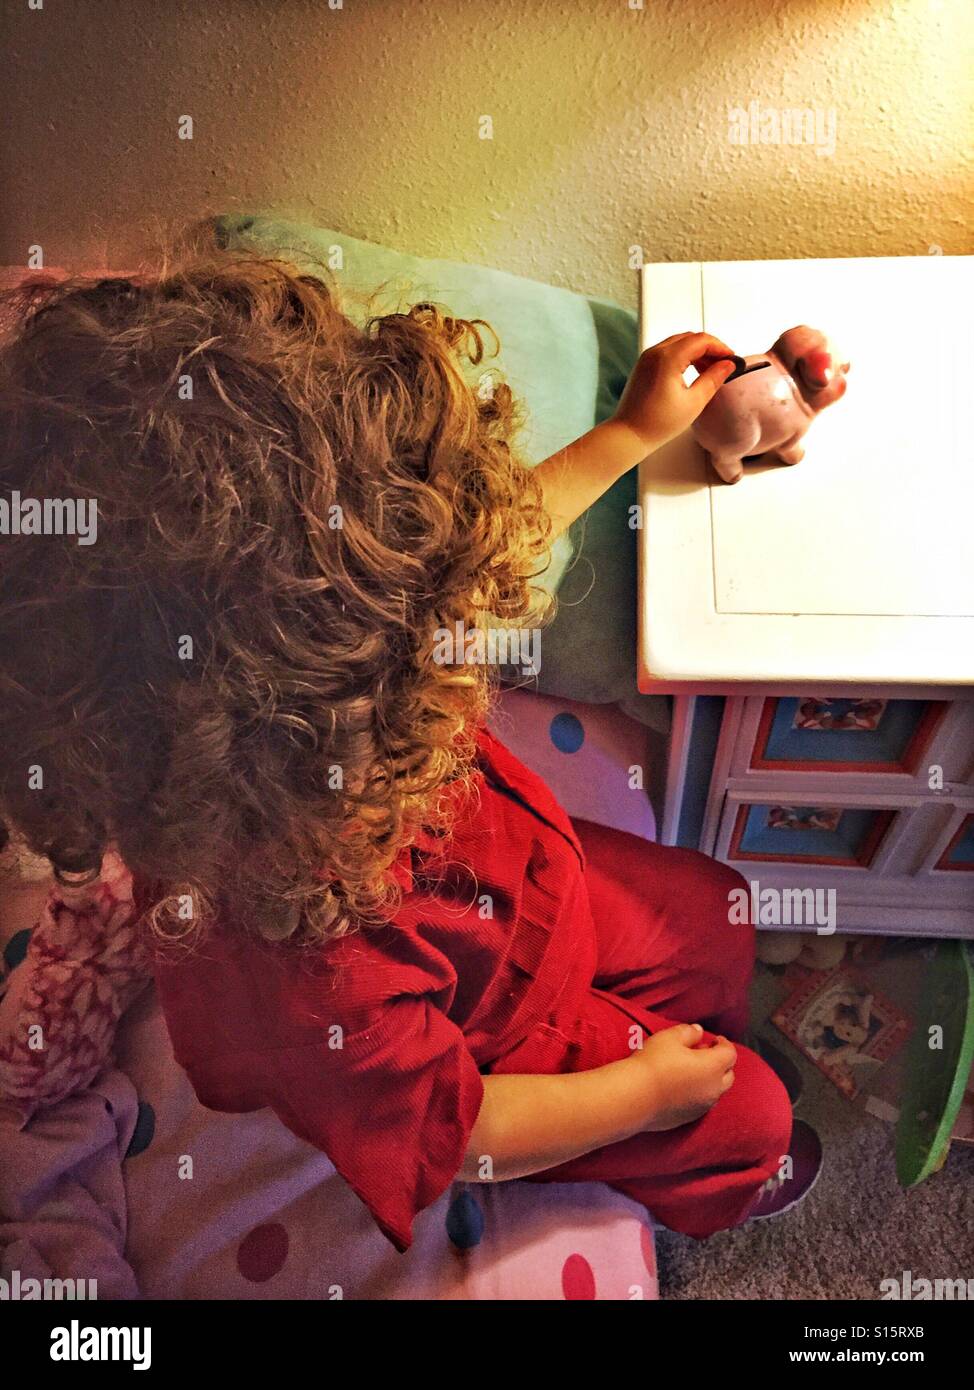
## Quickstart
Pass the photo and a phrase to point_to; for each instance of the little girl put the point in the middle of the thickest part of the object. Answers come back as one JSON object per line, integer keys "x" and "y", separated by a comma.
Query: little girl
{"x": 226, "y": 718}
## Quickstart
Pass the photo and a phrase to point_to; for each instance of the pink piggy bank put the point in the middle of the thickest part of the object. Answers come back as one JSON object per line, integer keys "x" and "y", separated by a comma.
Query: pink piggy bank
{"x": 768, "y": 410}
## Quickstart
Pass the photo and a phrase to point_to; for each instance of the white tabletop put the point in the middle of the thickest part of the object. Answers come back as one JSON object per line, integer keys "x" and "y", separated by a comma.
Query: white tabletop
{"x": 857, "y": 565}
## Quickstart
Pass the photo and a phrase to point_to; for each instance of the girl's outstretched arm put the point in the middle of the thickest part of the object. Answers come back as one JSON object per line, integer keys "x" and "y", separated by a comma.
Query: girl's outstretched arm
{"x": 656, "y": 406}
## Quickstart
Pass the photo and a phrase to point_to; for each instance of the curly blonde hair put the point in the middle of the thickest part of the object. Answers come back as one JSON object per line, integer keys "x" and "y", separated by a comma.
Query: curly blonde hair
{"x": 236, "y": 685}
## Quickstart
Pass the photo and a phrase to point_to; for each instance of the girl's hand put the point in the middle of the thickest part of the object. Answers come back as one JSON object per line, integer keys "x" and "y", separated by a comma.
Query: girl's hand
{"x": 683, "y": 1079}
{"x": 657, "y": 404}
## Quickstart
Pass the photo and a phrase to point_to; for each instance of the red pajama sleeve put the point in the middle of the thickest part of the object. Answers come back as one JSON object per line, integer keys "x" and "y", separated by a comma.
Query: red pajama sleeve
{"x": 385, "y": 1086}
{"x": 393, "y": 1107}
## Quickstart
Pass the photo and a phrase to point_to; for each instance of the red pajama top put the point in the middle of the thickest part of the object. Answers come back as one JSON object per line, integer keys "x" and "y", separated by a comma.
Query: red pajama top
{"x": 371, "y": 1047}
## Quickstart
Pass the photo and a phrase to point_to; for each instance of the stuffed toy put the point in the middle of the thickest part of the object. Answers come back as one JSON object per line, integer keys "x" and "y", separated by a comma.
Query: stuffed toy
{"x": 815, "y": 951}
{"x": 59, "y": 1007}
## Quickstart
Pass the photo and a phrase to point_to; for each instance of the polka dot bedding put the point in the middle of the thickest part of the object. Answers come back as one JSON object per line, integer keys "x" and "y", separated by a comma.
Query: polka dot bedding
{"x": 225, "y": 1206}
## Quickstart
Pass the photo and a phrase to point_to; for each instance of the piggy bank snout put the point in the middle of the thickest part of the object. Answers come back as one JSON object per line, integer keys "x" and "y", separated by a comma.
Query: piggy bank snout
{"x": 817, "y": 368}
{"x": 821, "y": 377}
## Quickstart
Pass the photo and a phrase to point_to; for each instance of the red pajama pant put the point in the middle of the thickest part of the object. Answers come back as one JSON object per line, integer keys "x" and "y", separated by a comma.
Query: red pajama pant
{"x": 667, "y": 953}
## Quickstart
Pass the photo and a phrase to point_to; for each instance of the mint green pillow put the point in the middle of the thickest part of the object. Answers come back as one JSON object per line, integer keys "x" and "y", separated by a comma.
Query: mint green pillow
{"x": 567, "y": 357}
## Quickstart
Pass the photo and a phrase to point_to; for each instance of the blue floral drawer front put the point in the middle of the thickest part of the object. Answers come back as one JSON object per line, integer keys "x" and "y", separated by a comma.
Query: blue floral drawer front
{"x": 808, "y": 834}
{"x": 959, "y": 854}
{"x": 823, "y": 734}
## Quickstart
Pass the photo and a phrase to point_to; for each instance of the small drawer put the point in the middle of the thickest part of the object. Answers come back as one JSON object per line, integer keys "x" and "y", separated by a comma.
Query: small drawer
{"x": 829, "y": 735}
{"x": 772, "y": 832}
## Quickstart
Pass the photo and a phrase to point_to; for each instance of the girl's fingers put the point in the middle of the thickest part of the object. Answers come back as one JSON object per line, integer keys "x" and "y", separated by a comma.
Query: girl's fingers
{"x": 689, "y": 346}
{"x": 725, "y": 1051}
{"x": 701, "y": 364}
{"x": 722, "y": 350}
{"x": 709, "y": 382}
{"x": 668, "y": 342}
{"x": 690, "y": 1033}
{"x": 728, "y": 1080}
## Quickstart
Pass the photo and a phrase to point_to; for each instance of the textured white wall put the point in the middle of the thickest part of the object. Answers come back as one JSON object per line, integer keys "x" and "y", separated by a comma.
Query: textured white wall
{"x": 610, "y": 127}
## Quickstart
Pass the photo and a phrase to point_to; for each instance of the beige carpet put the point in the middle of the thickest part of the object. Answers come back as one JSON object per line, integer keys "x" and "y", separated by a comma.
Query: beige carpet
{"x": 856, "y": 1228}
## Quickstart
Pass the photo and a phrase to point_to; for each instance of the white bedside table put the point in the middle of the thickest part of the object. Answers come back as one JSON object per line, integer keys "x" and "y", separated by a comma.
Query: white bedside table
{"x": 816, "y": 623}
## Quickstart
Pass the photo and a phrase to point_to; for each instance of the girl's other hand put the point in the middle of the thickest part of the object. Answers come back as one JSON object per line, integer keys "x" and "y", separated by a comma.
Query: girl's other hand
{"x": 657, "y": 405}
{"x": 683, "y": 1078}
